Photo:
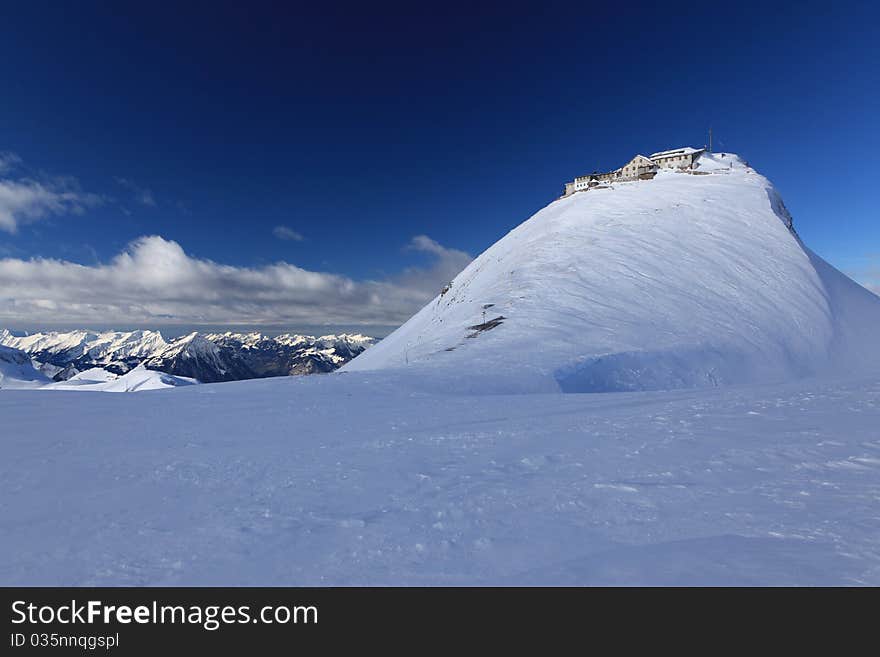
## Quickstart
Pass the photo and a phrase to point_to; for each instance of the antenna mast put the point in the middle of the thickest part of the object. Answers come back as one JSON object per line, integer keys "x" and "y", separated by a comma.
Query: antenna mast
{"x": 710, "y": 139}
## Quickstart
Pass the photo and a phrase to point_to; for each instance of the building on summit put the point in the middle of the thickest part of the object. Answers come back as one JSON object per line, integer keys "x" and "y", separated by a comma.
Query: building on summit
{"x": 638, "y": 168}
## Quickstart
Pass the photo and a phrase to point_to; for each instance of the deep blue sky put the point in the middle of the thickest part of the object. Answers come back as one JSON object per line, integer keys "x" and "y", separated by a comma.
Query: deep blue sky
{"x": 360, "y": 127}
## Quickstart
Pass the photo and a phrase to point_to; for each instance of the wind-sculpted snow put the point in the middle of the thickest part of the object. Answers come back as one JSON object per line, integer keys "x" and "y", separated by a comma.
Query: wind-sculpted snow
{"x": 268, "y": 482}
{"x": 687, "y": 280}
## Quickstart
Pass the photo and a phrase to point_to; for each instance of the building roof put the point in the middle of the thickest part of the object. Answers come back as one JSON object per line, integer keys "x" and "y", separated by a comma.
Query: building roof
{"x": 597, "y": 174}
{"x": 687, "y": 150}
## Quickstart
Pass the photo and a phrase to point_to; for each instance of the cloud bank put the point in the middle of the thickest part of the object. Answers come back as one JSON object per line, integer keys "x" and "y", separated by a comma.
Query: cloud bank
{"x": 154, "y": 282}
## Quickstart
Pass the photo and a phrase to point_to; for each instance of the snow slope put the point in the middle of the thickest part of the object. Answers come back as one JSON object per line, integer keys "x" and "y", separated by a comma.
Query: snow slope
{"x": 17, "y": 371}
{"x": 681, "y": 281}
{"x": 88, "y": 377}
{"x": 136, "y": 380}
{"x": 266, "y": 482}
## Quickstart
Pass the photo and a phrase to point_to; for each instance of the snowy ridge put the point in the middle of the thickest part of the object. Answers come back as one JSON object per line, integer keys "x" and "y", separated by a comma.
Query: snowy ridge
{"x": 136, "y": 380}
{"x": 686, "y": 280}
{"x": 17, "y": 371}
{"x": 192, "y": 356}
{"x": 103, "y": 347}
{"x": 288, "y": 354}
{"x": 207, "y": 357}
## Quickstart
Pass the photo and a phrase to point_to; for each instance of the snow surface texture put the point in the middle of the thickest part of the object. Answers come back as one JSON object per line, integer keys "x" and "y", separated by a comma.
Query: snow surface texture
{"x": 683, "y": 281}
{"x": 266, "y": 482}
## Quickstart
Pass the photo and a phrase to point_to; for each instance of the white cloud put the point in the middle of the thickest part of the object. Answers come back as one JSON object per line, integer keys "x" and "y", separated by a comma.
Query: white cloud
{"x": 28, "y": 199}
{"x": 286, "y": 233}
{"x": 142, "y": 195}
{"x": 154, "y": 282}
{"x": 8, "y": 161}
{"x": 24, "y": 201}
{"x": 446, "y": 265}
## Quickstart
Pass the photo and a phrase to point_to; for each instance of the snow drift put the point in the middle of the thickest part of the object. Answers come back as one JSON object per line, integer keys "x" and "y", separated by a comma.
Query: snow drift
{"x": 691, "y": 279}
{"x": 135, "y": 380}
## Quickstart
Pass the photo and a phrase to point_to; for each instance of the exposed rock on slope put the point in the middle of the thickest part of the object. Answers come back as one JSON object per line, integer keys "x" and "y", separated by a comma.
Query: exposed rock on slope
{"x": 17, "y": 371}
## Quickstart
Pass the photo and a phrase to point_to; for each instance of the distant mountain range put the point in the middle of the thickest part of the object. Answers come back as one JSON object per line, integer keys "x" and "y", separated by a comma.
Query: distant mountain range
{"x": 209, "y": 357}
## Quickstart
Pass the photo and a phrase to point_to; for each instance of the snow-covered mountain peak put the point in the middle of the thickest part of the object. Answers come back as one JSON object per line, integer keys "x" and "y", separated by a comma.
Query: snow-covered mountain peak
{"x": 208, "y": 357}
{"x": 98, "y": 346}
{"x": 193, "y": 345}
{"x": 719, "y": 162}
{"x": 194, "y": 340}
{"x": 690, "y": 279}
